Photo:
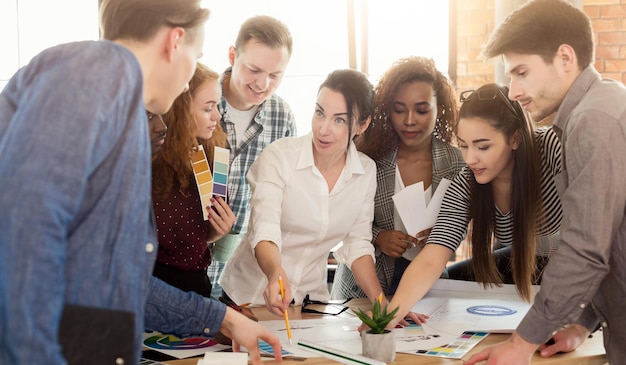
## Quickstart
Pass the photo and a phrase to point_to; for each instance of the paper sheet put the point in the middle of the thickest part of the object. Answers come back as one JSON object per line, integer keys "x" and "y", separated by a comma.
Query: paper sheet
{"x": 224, "y": 358}
{"x": 342, "y": 334}
{"x": 498, "y": 309}
{"x": 417, "y": 211}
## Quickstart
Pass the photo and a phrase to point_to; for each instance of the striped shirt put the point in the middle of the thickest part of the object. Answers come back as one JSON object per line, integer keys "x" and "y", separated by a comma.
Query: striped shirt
{"x": 454, "y": 215}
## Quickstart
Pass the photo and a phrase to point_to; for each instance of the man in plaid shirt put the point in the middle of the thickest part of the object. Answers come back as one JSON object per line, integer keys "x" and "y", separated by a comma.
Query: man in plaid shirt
{"x": 252, "y": 116}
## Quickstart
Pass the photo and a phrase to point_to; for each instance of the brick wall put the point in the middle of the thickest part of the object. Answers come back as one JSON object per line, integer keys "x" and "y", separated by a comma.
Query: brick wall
{"x": 475, "y": 21}
{"x": 608, "y": 18}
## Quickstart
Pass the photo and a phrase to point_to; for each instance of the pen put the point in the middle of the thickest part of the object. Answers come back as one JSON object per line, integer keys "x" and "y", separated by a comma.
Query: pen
{"x": 282, "y": 296}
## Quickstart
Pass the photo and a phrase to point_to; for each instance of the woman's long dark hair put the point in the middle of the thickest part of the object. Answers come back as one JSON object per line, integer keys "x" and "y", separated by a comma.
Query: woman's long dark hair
{"x": 490, "y": 102}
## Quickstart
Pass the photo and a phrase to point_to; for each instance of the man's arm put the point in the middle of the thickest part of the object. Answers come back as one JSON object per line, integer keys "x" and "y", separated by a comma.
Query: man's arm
{"x": 170, "y": 310}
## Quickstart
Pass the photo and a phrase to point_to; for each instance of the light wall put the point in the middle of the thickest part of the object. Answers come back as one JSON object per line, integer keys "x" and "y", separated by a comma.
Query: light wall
{"x": 476, "y": 19}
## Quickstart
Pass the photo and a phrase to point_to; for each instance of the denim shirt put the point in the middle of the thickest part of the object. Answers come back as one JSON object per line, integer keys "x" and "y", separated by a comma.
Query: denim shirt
{"x": 76, "y": 224}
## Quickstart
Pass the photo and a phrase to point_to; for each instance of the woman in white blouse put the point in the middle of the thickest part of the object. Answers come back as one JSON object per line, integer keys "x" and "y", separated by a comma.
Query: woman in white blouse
{"x": 308, "y": 194}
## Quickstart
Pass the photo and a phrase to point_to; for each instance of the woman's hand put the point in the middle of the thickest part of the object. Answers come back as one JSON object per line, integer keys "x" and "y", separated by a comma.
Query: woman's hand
{"x": 274, "y": 301}
{"x": 422, "y": 237}
{"x": 418, "y": 318}
{"x": 395, "y": 243}
{"x": 221, "y": 218}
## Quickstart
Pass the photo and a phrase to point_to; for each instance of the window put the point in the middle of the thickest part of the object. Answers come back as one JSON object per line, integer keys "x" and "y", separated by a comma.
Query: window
{"x": 29, "y": 26}
{"x": 382, "y": 31}
{"x": 328, "y": 34}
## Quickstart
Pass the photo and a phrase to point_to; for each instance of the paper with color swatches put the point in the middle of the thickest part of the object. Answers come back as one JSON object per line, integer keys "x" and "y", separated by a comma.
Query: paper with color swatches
{"x": 210, "y": 184}
{"x": 221, "y": 158}
{"x": 458, "y": 348}
{"x": 266, "y": 348}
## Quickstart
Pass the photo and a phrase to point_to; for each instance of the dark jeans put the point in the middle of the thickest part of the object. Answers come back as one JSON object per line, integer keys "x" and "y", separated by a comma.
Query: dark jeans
{"x": 196, "y": 281}
{"x": 462, "y": 270}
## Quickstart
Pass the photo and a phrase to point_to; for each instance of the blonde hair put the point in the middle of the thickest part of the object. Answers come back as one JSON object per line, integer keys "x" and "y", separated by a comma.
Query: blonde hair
{"x": 141, "y": 19}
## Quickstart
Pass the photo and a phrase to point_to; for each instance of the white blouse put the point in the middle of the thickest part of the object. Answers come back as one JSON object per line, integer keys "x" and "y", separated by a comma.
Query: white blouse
{"x": 291, "y": 206}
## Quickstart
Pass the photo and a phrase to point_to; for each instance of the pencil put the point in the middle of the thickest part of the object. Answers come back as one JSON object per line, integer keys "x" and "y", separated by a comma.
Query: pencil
{"x": 282, "y": 296}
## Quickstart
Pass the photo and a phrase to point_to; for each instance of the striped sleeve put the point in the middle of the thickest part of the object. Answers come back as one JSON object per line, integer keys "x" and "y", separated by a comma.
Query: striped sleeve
{"x": 454, "y": 216}
{"x": 452, "y": 221}
{"x": 548, "y": 224}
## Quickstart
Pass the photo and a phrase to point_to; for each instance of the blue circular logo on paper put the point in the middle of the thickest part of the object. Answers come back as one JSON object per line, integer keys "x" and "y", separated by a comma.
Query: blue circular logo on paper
{"x": 491, "y": 310}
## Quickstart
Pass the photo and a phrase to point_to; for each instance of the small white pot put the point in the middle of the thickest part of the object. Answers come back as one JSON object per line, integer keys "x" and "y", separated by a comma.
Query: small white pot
{"x": 379, "y": 346}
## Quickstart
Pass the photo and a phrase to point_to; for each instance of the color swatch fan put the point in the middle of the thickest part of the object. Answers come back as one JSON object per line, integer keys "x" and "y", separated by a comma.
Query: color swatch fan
{"x": 221, "y": 158}
{"x": 208, "y": 184}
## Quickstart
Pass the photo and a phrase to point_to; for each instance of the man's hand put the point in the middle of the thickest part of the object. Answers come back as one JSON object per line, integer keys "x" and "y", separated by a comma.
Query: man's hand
{"x": 565, "y": 340}
{"x": 247, "y": 333}
{"x": 514, "y": 351}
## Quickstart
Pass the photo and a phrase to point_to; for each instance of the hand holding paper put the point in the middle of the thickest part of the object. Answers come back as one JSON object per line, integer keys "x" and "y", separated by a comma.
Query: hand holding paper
{"x": 417, "y": 211}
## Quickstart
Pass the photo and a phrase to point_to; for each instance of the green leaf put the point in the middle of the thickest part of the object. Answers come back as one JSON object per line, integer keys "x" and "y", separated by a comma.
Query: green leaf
{"x": 379, "y": 319}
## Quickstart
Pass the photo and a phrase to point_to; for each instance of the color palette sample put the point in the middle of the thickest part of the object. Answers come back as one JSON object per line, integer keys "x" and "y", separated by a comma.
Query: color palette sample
{"x": 266, "y": 348}
{"x": 458, "y": 348}
{"x": 220, "y": 171}
{"x": 169, "y": 342}
{"x": 204, "y": 179}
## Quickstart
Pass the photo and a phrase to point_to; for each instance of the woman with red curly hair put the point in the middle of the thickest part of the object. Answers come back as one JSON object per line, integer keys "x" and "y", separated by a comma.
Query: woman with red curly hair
{"x": 184, "y": 236}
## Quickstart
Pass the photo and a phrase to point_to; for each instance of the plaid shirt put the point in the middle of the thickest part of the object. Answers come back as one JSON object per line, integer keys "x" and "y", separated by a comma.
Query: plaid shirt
{"x": 273, "y": 121}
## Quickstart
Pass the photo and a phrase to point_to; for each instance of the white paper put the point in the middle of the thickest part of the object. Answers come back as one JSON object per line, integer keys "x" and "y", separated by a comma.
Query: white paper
{"x": 417, "y": 211}
{"x": 224, "y": 358}
{"x": 498, "y": 309}
{"x": 342, "y": 333}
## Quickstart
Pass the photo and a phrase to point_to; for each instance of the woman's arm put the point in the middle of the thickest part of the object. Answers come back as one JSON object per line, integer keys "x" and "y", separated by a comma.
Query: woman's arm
{"x": 268, "y": 257}
{"x": 418, "y": 278}
{"x": 364, "y": 272}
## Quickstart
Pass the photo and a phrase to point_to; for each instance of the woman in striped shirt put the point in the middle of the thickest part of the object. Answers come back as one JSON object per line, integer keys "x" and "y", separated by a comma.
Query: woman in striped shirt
{"x": 506, "y": 190}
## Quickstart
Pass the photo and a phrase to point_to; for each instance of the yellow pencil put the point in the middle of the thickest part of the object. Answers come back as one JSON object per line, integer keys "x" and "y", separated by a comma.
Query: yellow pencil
{"x": 282, "y": 296}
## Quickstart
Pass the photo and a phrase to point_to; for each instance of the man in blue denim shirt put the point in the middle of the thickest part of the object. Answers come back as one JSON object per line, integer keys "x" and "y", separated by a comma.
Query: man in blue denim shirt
{"x": 76, "y": 228}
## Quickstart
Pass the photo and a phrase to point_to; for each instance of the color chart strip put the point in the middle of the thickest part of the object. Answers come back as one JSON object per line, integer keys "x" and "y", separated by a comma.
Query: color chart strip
{"x": 458, "y": 348}
{"x": 169, "y": 342}
{"x": 266, "y": 348}
{"x": 204, "y": 179}
{"x": 220, "y": 171}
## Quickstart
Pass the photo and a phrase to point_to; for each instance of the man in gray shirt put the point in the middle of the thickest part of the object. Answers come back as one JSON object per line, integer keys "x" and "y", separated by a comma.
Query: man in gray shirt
{"x": 548, "y": 50}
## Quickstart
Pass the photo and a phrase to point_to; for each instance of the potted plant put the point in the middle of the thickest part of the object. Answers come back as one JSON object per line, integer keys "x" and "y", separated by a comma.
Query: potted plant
{"x": 378, "y": 342}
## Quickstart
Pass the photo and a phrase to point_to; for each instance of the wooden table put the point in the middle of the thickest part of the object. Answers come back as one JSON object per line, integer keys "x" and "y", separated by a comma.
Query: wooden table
{"x": 589, "y": 353}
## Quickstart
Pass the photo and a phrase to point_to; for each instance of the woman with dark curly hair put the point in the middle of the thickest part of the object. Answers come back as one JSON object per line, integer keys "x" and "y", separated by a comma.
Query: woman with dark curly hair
{"x": 409, "y": 139}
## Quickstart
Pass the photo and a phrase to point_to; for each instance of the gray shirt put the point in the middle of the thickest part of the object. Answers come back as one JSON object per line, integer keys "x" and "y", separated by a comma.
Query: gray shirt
{"x": 585, "y": 282}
